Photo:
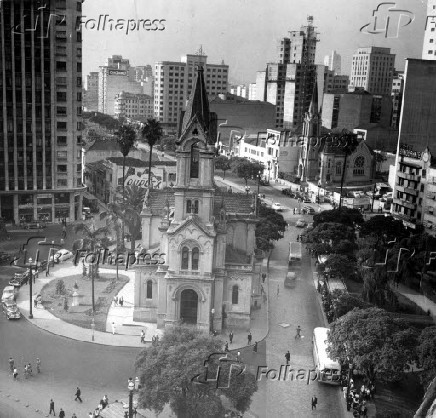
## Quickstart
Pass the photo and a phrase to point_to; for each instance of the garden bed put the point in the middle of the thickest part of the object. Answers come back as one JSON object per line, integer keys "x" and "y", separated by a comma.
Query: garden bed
{"x": 105, "y": 288}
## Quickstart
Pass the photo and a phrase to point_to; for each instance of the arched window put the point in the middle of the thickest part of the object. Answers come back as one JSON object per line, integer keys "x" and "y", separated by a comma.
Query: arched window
{"x": 195, "y": 206}
{"x": 194, "y": 162}
{"x": 149, "y": 289}
{"x": 359, "y": 166}
{"x": 185, "y": 258}
{"x": 235, "y": 295}
{"x": 188, "y": 206}
{"x": 195, "y": 258}
{"x": 192, "y": 206}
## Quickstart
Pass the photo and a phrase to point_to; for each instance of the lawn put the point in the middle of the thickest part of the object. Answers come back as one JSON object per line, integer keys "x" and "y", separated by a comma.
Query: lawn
{"x": 105, "y": 288}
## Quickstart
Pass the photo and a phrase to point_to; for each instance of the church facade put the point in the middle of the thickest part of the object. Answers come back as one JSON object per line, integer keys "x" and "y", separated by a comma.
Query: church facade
{"x": 208, "y": 274}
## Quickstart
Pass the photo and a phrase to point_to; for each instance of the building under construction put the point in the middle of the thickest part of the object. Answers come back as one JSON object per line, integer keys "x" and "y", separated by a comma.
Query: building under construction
{"x": 289, "y": 82}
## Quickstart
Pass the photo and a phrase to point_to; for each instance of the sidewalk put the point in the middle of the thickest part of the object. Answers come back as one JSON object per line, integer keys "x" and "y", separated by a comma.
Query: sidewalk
{"x": 127, "y": 331}
{"x": 422, "y": 301}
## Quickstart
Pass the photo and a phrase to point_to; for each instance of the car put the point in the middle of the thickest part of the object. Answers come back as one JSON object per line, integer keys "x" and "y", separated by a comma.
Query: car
{"x": 301, "y": 223}
{"x": 309, "y": 226}
{"x": 288, "y": 192}
{"x": 308, "y": 209}
{"x": 290, "y": 280}
{"x": 306, "y": 199}
{"x": 264, "y": 182}
{"x": 10, "y": 309}
{"x": 62, "y": 255}
{"x": 277, "y": 206}
{"x": 10, "y": 293}
{"x": 20, "y": 279}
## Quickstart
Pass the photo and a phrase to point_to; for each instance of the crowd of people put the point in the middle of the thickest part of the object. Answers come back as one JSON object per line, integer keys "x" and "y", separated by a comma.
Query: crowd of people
{"x": 27, "y": 369}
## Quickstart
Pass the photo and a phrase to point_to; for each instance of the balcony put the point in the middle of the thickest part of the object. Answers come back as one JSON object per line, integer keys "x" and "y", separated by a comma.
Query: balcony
{"x": 403, "y": 217}
{"x": 407, "y": 190}
{"x": 405, "y": 203}
{"x": 412, "y": 177}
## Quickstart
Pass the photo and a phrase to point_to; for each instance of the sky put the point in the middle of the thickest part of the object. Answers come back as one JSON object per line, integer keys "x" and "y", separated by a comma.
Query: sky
{"x": 244, "y": 33}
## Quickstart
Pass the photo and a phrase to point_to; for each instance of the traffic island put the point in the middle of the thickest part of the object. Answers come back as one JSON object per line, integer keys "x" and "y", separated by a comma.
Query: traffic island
{"x": 70, "y": 298}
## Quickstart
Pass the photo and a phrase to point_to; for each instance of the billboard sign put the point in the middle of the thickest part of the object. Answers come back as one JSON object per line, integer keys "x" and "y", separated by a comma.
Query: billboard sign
{"x": 117, "y": 72}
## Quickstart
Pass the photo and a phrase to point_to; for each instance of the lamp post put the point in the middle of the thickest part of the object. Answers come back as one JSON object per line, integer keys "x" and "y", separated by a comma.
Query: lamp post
{"x": 30, "y": 287}
{"x": 258, "y": 191}
{"x": 319, "y": 188}
{"x": 269, "y": 170}
{"x": 92, "y": 328}
{"x": 212, "y": 315}
{"x": 131, "y": 387}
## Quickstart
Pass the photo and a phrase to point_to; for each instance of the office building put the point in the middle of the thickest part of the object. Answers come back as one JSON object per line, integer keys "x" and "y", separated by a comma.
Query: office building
{"x": 429, "y": 44}
{"x": 90, "y": 99}
{"x": 397, "y": 96}
{"x": 133, "y": 106}
{"x": 174, "y": 81}
{"x": 333, "y": 62}
{"x": 289, "y": 83}
{"x": 334, "y": 83}
{"x": 240, "y": 90}
{"x": 252, "y": 91}
{"x": 41, "y": 111}
{"x": 372, "y": 69}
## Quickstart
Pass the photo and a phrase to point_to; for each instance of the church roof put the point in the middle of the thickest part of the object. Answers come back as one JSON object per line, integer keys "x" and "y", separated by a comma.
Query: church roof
{"x": 314, "y": 108}
{"x": 198, "y": 104}
{"x": 234, "y": 203}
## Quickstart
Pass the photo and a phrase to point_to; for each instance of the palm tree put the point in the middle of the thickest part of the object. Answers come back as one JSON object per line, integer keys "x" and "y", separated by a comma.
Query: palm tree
{"x": 126, "y": 137}
{"x": 93, "y": 238}
{"x": 350, "y": 143}
{"x": 151, "y": 133}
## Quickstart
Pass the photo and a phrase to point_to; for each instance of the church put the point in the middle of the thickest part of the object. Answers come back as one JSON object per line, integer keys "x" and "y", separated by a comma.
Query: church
{"x": 209, "y": 273}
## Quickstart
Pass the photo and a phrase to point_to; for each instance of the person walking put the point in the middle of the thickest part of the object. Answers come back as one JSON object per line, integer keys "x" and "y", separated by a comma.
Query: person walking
{"x": 11, "y": 365}
{"x": 38, "y": 365}
{"x": 278, "y": 290}
{"x": 314, "y": 402}
{"x": 142, "y": 336}
{"x": 15, "y": 374}
{"x": 91, "y": 415}
{"x": 298, "y": 334}
{"x": 121, "y": 301}
{"x": 78, "y": 393}
{"x": 255, "y": 347}
{"x": 226, "y": 347}
{"x": 231, "y": 337}
{"x": 113, "y": 328}
{"x": 52, "y": 407}
{"x": 61, "y": 413}
{"x": 238, "y": 356}
{"x": 249, "y": 337}
{"x": 287, "y": 357}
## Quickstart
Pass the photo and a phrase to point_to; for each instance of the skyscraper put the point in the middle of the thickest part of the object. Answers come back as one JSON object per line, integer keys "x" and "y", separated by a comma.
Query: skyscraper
{"x": 373, "y": 69}
{"x": 41, "y": 110}
{"x": 289, "y": 82}
{"x": 429, "y": 46}
{"x": 333, "y": 62}
{"x": 90, "y": 100}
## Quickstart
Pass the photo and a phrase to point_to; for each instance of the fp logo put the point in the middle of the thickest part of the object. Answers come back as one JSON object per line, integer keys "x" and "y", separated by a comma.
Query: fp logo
{"x": 388, "y": 20}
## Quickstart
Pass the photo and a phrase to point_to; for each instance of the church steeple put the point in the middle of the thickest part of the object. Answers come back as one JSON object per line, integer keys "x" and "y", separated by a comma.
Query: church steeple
{"x": 312, "y": 119}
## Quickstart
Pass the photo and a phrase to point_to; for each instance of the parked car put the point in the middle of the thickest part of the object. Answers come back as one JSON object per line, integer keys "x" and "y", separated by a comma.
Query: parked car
{"x": 290, "y": 280}
{"x": 20, "y": 279}
{"x": 62, "y": 255}
{"x": 10, "y": 309}
{"x": 264, "y": 182}
{"x": 301, "y": 223}
{"x": 288, "y": 192}
{"x": 277, "y": 206}
{"x": 306, "y": 199}
{"x": 309, "y": 210}
{"x": 309, "y": 226}
{"x": 10, "y": 293}
{"x": 34, "y": 225}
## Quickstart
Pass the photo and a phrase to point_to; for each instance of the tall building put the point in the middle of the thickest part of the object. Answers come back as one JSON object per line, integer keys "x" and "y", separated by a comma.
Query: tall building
{"x": 90, "y": 101}
{"x": 289, "y": 83}
{"x": 115, "y": 76}
{"x": 174, "y": 81}
{"x": 133, "y": 106}
{"x": 373, "y": 69}
{"x": 334, "y": 83}
{"x": 41, "y": 115}
{"x": 397, "y": 95}
{"x": 333, "y": 62}
{"x": 429, "y": 45}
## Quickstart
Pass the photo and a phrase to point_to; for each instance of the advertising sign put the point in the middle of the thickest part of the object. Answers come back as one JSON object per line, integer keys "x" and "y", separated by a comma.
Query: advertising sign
{"x": 117, "y": 72}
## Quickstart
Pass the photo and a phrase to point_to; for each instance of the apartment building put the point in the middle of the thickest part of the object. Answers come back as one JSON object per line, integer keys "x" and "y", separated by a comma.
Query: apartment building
{"x": 174, "y": 82}
{"x": 333, "y": 62}
{"x": 41, "y": 111}
{"x": 397, "y": 96}
{"x": 90, "y": 100}
{"x": 429, "y": 44}
{"x": 133, "y": 106}
{"x": 334, "y": 83}
{"x": 373, "y": 69}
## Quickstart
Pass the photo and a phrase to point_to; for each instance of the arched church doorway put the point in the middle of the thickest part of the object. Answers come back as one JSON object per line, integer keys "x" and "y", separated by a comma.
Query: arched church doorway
{"x": 189, "y": 306}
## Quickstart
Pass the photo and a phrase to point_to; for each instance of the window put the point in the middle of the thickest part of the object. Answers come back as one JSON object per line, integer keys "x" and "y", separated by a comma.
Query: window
{"x": 338, "y": 168}
{"x": 149, "y": 294}
{"x": 359, "y": 166}
{"x": 61, "y": 66}
{"x": 194, "y": 162}
{"x": 185, "y": 258}
{"x": 191, "y": 206}
{"x": 62, "y": 155}
{"x": 62, "y": 182}
{"x": 235, "y": 295}
{"x": 62, "y": 140}
{"x": 62, "y": 169}
{"x": 195, "y": 258}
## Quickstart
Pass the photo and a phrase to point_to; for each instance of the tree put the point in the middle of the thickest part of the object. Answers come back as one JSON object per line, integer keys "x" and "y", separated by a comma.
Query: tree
{"x": 222, "y": 163}
{"x": 270, "y": 227}
{"x": 168, "y": 144}
{"x": 173, "y": 372}
{"x": 246, "y": 169}
{"x": 331, "y": 233}
{"x": 344, "y": 302}
{"x": 92, "y": 239}
{"x": 126, "y": 137}
{"x": 339, "y": 265}
{"x": 427, "y": 354}
{"x": 376, "y": 342}
{"x": 385, "y": 228}
{"x": 343, "y": 215}
{"x": 151, "y": 133}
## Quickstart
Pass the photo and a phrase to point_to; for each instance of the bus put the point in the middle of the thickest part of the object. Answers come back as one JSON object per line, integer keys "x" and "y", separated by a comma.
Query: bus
{"x": 294, "y": 252}
{"x": 329, "y": 371}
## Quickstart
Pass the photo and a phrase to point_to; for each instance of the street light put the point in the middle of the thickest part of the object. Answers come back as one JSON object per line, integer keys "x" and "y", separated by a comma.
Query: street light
{"x": 131, "y": 387}
{"x": 30, "y": 285}
{"x": 93, "y": 328}
{"x": 212, "y": 314}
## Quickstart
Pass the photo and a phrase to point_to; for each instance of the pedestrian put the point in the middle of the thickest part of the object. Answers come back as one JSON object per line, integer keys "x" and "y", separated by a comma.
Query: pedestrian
{"x": 287, "y": 357}
{"x": 113, "y": 328}
{"x": 121, "y": 301}
{"x": 298, "y": 334}
{"x": 78, "y": 393}
{"x": 314, "y": 401}
{"x": 278, "y": 290}
{"x": 91, "y": 415}
{"x": 255, "y": 347}
{"x": 249, "y": 337}
{"x": 15, "y": 374}
{"x": 226, "y": 347}
{"x": 263, "y": 277}
{"x": 35, "y": 303}
{"x": 142, "y": 336}
{"x": 238, "y": 356}
{"x": 62, "y": 241}
{"x": 74, "y": 416}
{"x": 52, "y": 407}
{"x": 231, "y": 337}
{"x": 115, "y": 300}
{"x": 105, "y": 401}
{"x": 11, "y": 365}
{"x": 61, "y": 413}
{"x": 38, "y": 365}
